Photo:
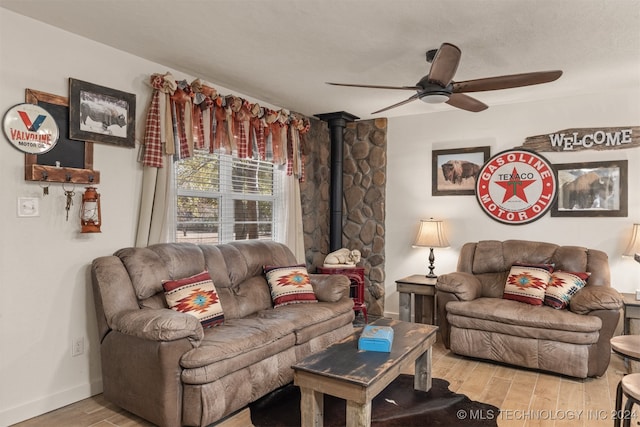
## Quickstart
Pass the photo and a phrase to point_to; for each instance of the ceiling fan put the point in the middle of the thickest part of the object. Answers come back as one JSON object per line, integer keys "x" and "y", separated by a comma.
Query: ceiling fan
{"x": 438, "y": 86}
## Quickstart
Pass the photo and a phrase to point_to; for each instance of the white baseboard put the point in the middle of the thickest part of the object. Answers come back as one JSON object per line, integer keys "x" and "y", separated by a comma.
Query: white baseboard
{"x": 49, "y": 403}
{"x": 391, "y": 314}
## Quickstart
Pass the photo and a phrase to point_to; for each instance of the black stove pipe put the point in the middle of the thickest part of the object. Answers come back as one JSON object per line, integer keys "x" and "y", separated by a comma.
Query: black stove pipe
{"x": 337, "y": 122}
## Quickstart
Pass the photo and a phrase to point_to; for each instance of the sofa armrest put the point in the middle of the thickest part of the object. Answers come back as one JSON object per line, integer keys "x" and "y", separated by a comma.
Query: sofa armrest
{"x": 600, "y": 353}
{"x": 592, "y": 298}
{"x": 465, "y": 286}
{"x": 159, "y": 325}
{"x": 330, "y": 287}
{"x": 143, "y": 376}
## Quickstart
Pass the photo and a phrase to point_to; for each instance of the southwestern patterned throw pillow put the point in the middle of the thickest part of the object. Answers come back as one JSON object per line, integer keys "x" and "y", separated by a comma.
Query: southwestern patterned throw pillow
{"x": 562, "y": 286}
{"x": 195, "y": 295}
{"x": 527, "y": 283}
{"x": 289, "y": 285}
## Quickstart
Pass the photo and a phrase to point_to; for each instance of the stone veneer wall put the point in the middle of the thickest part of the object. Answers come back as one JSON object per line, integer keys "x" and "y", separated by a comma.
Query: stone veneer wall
{"x": 364, "y": 183}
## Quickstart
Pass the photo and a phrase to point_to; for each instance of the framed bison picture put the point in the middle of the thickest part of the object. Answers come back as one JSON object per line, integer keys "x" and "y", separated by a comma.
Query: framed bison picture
{"x": 591, "y": 189}
{"x": 101, "y": 114}
{"x": 454, "y": 171}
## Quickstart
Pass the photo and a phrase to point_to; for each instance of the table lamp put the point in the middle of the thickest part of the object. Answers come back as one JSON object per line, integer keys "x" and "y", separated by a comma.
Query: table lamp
{"x": 633, "y": 249}
{"x": 431, "y": 235}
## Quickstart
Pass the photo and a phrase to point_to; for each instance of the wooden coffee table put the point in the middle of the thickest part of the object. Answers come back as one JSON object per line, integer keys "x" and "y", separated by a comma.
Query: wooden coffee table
{"x": 343, "y": 371}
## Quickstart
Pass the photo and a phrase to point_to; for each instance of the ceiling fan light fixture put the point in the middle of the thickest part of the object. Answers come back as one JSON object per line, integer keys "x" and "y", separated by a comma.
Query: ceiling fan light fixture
{"x": 438, "y": 86}
{"x": 435, "y": 98}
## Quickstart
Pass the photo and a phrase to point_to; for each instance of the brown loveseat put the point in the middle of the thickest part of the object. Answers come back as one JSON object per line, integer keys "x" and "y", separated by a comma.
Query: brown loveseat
{"x": 476, "y": 321}
{"x": 163, "y": 366}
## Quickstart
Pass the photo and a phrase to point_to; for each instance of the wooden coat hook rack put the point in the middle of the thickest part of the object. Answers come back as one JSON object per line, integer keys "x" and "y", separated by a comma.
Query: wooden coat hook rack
{"x": 70, "y": 161}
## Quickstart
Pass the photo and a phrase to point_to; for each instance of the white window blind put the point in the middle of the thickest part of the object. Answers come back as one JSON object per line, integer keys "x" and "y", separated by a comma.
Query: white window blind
{"x": 221, "y": 198}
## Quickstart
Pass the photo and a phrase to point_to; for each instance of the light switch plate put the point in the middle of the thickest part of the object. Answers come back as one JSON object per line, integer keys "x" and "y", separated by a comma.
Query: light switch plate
{"x": 28, "y": 206}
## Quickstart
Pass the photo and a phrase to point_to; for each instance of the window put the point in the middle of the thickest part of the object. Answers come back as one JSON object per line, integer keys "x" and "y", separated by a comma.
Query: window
{"x": 221, "y": 198}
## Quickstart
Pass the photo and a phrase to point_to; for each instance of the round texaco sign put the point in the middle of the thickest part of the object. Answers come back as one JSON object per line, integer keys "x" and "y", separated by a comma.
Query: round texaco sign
{"x": 516, "y": 187}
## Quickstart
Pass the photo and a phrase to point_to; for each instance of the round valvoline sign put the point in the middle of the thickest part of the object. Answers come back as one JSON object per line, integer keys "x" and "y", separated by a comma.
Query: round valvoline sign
{"x": 30, "y": 128}
{"x": 516, "y": 187}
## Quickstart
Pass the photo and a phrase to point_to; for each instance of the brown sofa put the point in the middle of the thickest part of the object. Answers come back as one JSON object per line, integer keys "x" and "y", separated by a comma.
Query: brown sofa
{"x": 163, "y": 366}
{"x": 476, "y": 321}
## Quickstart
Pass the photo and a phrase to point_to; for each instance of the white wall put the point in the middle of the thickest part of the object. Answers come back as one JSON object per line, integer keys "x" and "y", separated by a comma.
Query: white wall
{"x": 46, "y": 299}
{"x": 411, "y": 139}
{"x": 44, "y": 261}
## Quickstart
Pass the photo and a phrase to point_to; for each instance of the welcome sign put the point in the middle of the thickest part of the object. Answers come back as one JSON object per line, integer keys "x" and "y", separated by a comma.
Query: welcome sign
{"x": 30, "y": 128}
{"x": 516, "y": 187}
{"x": 577, "y": 139}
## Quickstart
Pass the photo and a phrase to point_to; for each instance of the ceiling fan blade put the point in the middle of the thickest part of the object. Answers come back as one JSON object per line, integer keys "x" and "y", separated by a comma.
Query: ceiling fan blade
{"x": 377, "y": 86}
{"x": 466, "y": 102}
{"x": 406, "y": 101}
{"x": 444, "y": 65}
{"x": 506, "y": 82}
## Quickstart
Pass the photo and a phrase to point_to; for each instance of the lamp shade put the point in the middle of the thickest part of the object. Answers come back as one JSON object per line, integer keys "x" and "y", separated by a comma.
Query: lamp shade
{"x": 431, "y": 234}
{"x": 634, "y": 242}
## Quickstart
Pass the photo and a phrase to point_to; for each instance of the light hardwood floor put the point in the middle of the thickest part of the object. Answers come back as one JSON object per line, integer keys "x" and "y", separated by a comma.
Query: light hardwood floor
{"x": 526, "y": 398}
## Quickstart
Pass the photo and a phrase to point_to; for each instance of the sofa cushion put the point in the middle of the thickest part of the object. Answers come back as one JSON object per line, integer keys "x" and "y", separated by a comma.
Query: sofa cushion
{"x": 289, "y": 285}
{"x": 238, "y": 347}
{"x": 195, "y": 295}
{"x": 149, "y": 266}
{"x": 501, "y": 311}
{"x": 239, "y": 336}
{"x": 527, "y": 283}
{"x": 242, "y": 342}
{"x": 488, "y": 257}
{"x": 493, "y": 256}
{"x": 313, "y": 320}
{"x": 562, "y": 286}
{"x": 146, "y": 270}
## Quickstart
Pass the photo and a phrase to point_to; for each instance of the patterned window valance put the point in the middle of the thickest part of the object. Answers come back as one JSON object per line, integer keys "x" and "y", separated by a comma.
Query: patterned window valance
{"x": 183, "y": 117}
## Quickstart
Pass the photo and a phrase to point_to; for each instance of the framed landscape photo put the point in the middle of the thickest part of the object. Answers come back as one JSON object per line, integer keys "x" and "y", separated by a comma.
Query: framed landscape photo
{"x": 101, "y": 114}
{"x": 591, "y": 189}
{"x": 454, "y": 171}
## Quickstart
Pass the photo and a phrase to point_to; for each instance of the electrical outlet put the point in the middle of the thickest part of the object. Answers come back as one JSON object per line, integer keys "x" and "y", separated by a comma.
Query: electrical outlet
{"x": 77, "y": 346}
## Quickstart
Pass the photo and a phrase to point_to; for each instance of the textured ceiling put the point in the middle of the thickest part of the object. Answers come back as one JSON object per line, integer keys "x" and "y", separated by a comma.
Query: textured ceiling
{"x": 283, "y": 51}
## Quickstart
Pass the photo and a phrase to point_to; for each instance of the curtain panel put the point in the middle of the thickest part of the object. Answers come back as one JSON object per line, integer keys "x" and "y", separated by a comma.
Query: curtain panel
{"x": 185, "y": 117}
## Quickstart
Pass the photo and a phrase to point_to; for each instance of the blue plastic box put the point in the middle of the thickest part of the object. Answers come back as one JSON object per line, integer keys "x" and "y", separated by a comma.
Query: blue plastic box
{"x": 376, "y": 338}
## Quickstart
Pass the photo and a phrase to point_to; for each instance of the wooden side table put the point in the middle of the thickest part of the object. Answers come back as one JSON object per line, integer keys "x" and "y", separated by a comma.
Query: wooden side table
{"x": 356, "y": 292}
{"x": 424, "y": 290}
{"x": 631, "y": 311}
